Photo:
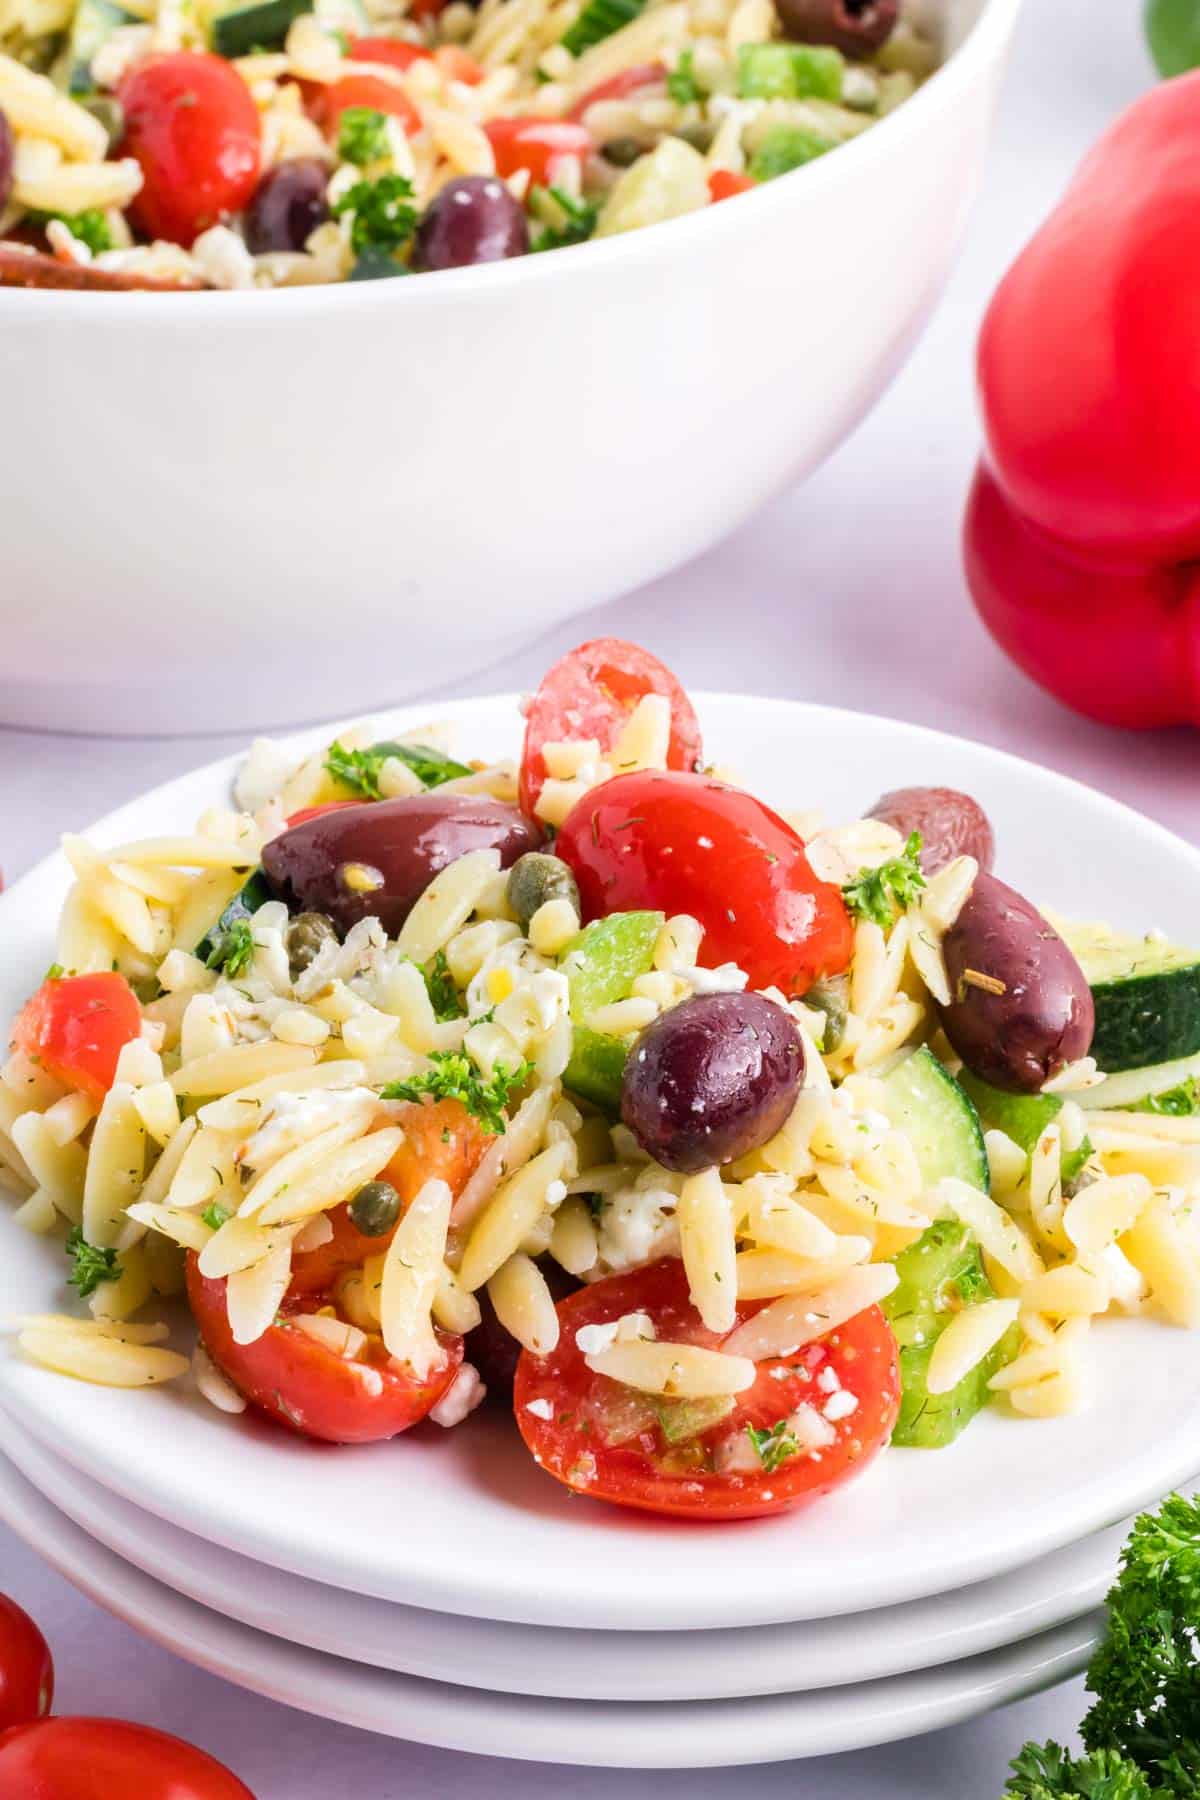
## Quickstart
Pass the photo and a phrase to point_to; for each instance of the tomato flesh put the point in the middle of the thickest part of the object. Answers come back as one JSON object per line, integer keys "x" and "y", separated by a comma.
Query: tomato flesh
{"x": 314, "y": 812}
{"x": 307, "y": 1386}
{"x": 76, "y": 1026}
{"x": 591, "y": 693}
{"x": 26, "y": 1667}
{"x": 588, "y": 1412}
{"x": 535, "y": 145}
{"x": 387, "y": 50}
{"x": 687, "y": 844}
{"x": 103, "y": 1759}
{"x": 723, "y": 184}
{"x": 192, "y": 125}
{"x": 372, "y": 91}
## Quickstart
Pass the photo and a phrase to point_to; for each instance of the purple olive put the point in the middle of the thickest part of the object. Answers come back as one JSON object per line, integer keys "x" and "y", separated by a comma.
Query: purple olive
{"x": 7, "y": 153}
{"x": 951, "y": 824}
{"x": 288, "y": 206}
{"x": 855, "y": 27}
{"x": 473, "y": 219}
{"x": 1020, "y": 1007}
{"x": 712, "y": 1079}
{"x": 376, "y": 860}
{"x": 494, "y": 1351}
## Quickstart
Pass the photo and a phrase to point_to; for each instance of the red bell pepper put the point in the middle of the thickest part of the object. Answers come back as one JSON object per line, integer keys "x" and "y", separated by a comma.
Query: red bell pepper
{"x": 1083, "y": 527}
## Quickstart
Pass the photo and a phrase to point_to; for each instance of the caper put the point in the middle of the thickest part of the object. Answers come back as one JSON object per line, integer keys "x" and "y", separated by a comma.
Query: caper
{"x": 696, "y": 133}
{"x": 622, "y": 152}
{"x": 535, "y": 878}
{"x": 832, "y": 998}
{"x": 108, "y": 112}
{"x": 307, "y": 936}
{"x": 375, "y": 1208}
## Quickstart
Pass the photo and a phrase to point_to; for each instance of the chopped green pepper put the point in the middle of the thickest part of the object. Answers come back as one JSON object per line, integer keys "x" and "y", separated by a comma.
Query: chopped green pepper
{"x": 790, "y": 72}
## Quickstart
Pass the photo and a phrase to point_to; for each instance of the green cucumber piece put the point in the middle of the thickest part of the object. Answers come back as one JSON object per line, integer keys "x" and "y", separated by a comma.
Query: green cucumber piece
{"x": 1132, "y": 1088}
{"x": 784, "y": 148}
{"x": 237, "y": 30}
{"x": 682, "y": 1420}
{"x": 1023, "y": 1118}
{"x": 1146, "y": 994}
{"x": 249, "y": 897}
{"x": 939, "y": 1275}
{"x": 601, "y": 965}
{"x": 93, "y": 25}
{"x": 790, "y": 72}
{"x": 598, "y": 20}
{"x": 926, "y": 1103}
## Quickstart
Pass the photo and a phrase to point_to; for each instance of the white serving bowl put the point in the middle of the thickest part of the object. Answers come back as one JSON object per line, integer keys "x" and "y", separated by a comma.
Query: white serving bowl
{"x": 219, "y": 510}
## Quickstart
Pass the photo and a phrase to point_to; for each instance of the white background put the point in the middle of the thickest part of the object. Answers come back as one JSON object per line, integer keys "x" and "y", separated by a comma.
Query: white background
{"x": 848, "y": 591}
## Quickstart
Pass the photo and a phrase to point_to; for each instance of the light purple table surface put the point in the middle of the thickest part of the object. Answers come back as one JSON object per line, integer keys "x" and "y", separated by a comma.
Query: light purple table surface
{"x": 848, "y": 591}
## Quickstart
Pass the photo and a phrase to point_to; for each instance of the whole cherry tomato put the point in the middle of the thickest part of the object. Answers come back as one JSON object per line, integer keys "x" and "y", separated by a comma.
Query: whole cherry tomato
{"x": 364, "y": 90}
{"x": 76, "y": 1026}
{"x": 584, "y": 1429}
{"x": 108, "y": 1759}
{"x": 26, "y": 1669}
{"x": 590, "y": 693}
{"x": 682, "y": 843}
{"x": 191, "y": 123}
{"x": 535, "y": 145}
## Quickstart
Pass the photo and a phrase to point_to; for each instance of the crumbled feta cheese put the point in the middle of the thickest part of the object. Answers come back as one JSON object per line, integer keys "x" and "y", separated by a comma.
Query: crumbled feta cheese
{"x": 827, "y": 1380}
{"x": 461, "y": 1397}
{"x": 223, "y": 258}
{"x": 726, "y": 978}
{"x": 810, "y": 1430}
{"x": 291, "y": 1119}
{"x": 541, "y": 1409}
{"x": 593, "y": 1340}
{"x": 840, "y": 1405}
{"x": 636, "y": 1225}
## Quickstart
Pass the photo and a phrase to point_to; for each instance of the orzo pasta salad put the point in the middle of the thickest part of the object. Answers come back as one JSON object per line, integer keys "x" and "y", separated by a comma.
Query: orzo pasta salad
{"x": 722, "y": 1148}
{"x": 276, "y": 143}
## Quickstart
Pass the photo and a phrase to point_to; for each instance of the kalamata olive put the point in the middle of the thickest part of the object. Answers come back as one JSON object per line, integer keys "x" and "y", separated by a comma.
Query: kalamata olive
{"x": 7, "y": 152}
{"x": 307, "y": 936}
{"x": 951, "y": 824}
{"x": 494, "y": 1351}
{"x": 375, "y": 1208}
{"x": 536, "y": 878}
{"x": 1020, "y": 1008}
{"x": 712, "y": 1079}
{"x": 375, "y": 860}
{"x": 855, "y": 27}
{"x": 473, "y": 219}
{"x": 288, "y": 205}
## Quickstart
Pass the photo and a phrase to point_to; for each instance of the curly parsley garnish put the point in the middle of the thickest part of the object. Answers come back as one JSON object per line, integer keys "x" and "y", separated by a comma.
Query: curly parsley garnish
{"x": 681, "y": 82}
{"x": 443, "y": 994}
{"x": 384, "y": 216}
{"x": 453, "y": 1076}
{"x": 876, "y": 894}
{"x": 363, "y": 136}
{"x": 775, "y": 1444}
{"x": 233, "y": 950}
{"x": 567, "y": 220}
{"x": 91, "y": 1264}
{"x": 90, "y": 227}
{"x": 360, "y": 770}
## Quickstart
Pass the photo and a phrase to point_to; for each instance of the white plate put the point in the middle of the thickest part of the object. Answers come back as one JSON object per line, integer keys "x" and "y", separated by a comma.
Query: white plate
{"x": 593, "y": 1665}
{"x": 466, "y": 1522}
{"x": 605, "y": 1734}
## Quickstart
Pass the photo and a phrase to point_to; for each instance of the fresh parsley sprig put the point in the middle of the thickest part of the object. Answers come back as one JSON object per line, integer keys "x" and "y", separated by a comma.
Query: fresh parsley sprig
{"x": 233, "y": 950}
{"x": 360, "y": 770}
{"x": 384, "y": 216}
{"x": 90, "y": 1264}
{"x": 215, "y": 1215}
{"x": 775, "y": 1444}
{"x": 876, "y": 894}
{"x": 363, "y": 136}
{"x": 682, "y": 85}
{"x": 453, "y": 1076}
{"x": 566, "y": 219}
{"x": 443, "y": 993}
{"x": 90, "y": 227}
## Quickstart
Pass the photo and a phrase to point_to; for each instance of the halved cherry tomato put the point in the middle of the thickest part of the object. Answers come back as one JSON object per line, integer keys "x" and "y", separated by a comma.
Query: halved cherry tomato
{"x": 590, "y": 693}
{"x": 191, "y": 123}
{"x": 26, "y": 1668}
{"x": 535, "y": 145}
{"x": 723, "y": 184}
{"x": 76, "y": 1026}
{"x": 687, "y": 844}
{"x": 456, "y": 65}
{"x": 108, "y": 1759}
{"x": 606, "y": 1440}
{"x": 364, "y": 90}
{"x": 314, "y": 812}
{"x": 309, "y": 1387}
{"x": 617, "y": 86}
{"x": 441, "y": 1142}
{"x": 387, "y": 50}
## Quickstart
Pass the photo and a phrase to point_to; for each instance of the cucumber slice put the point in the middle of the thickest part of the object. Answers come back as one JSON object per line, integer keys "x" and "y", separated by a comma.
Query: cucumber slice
{"x": 249, "y": 897}
{"x": 598, "y": 20}
{"x": 601, "y": 965}
{"x": 921, "y": 1099}
{"x": 787, "y": 147}
{"x": 939, "y": 1275}
{"x": 790, "y": 72}
{"x": 93, "y": 25}
{"x": 237, "y": 30}
{"x": 1146, "y": 993}
{"x": 1134, "y": 1088}
{"x": 1023, "y": 1118}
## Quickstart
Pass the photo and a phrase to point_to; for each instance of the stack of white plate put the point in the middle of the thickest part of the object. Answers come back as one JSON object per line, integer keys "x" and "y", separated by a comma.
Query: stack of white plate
{"x": 443, "y": 1589}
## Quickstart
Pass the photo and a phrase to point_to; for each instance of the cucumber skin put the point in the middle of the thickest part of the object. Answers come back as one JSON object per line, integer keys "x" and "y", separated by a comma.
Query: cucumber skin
{"x": 931, "y": 1421}
{"x": 596, "y": 1069}
{"x": 609, "y": 956}
{"x": 1147, "y": 1019}
{"x": 242, "y": 28}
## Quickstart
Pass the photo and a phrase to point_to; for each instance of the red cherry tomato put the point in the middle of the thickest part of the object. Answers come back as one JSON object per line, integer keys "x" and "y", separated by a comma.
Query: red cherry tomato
{"x": 590, "y": 693}
{"x": 387, "y": 50}
{"x": 364, "y": 90}
{"x": 108, "y": 1759}
{"x": 192, "y": 124}
{"x": 604, "y": 1440}
{"x": 314, "y": 812}
{"x": 26, "y": 1669}
{"x": 76, "y": 1026}
{"x": 535, "y": 144}
{"x": 723, "y": 184}
{"x": 617, "y": 86}
{"x": 687, "y": 844}
{"x": 309, "y": 1387}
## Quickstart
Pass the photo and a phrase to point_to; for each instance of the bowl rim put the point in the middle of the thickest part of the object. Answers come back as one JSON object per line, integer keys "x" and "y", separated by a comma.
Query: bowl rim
{"x": 986, "y": 42}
